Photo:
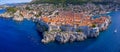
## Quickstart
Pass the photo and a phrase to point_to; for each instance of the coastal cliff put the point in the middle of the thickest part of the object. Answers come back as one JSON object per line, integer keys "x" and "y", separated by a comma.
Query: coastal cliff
{"x": 64, "y": 35}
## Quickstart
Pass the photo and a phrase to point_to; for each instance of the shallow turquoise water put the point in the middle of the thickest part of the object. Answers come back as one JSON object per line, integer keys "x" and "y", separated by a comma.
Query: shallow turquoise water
{"x": 23, "y": 37}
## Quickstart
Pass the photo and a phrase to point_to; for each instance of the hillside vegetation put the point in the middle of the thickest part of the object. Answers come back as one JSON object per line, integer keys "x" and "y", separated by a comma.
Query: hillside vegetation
{"x": 64, "y": 1}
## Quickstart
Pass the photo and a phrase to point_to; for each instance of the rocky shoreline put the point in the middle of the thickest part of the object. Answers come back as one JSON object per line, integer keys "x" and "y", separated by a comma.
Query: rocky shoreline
{"x": 66, "y": 36}
{"x": 63, "y": 37}
{"x": 74, "y": 23}
{"x": 71, "y": 36}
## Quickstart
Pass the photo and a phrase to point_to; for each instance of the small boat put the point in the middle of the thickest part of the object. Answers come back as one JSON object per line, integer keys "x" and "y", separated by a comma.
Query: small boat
{"x": 107, "y": 12}
{"x": 115, "y": 31}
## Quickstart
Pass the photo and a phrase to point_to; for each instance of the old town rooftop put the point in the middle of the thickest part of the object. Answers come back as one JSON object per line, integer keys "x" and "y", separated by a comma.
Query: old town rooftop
{"x": 71, "y": 18}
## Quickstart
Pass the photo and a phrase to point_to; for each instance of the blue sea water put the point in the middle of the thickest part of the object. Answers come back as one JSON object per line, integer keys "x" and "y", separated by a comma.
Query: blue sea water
{"x": 23, "y": 37}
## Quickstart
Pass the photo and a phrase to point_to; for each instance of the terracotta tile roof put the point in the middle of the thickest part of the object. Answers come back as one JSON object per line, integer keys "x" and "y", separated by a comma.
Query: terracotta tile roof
{"x": 73, "y": 19}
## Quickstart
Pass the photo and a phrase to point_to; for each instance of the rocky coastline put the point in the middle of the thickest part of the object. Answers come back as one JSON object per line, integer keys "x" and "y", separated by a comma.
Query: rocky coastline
{"x": 71, "y": 36}
{"x": 74, "y": 23}
{"x": 63, "y": 37}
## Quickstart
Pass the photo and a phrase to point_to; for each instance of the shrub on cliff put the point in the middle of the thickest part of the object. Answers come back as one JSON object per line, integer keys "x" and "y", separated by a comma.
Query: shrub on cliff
{"x": 94, "y": 25}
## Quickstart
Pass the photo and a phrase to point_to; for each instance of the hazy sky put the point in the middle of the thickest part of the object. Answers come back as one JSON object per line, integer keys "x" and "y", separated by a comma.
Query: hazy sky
{"x": 13, "y": 1}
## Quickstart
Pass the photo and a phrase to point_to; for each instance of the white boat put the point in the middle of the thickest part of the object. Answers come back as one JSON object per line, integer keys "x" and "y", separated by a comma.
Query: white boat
{"x": 107, "y": 12}
{"x": 115, "y": 30}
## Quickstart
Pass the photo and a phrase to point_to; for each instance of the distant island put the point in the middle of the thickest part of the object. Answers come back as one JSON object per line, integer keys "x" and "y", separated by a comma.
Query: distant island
{"x": 62, "y": 20}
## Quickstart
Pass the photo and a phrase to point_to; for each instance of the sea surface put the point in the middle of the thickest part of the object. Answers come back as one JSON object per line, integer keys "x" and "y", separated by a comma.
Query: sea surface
{"x": 23, "y": 37}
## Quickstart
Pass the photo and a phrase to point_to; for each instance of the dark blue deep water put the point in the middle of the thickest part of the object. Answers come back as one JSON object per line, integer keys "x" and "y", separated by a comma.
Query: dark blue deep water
{"x": 23, "y": 37}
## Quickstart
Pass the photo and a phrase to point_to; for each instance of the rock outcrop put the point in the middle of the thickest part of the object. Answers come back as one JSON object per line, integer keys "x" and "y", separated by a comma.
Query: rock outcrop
{"x": 63, "y": 37}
